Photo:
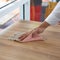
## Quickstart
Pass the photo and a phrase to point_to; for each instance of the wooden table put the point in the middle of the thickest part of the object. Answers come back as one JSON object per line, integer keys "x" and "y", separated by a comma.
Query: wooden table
{"x": 49, "y": 49}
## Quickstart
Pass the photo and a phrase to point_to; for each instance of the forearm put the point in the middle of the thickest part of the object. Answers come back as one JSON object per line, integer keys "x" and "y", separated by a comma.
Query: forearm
{"x": 43, "y": 26}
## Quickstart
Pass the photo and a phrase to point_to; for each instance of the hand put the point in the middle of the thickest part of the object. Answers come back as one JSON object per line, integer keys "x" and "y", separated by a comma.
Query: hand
{"x": 35, "y": 33}
{"x": 23, "y": 36}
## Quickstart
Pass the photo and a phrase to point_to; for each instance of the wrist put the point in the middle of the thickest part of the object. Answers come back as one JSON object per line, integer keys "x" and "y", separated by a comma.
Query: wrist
{"x": 43, "y": 26}
{"x": 41, "y": 29}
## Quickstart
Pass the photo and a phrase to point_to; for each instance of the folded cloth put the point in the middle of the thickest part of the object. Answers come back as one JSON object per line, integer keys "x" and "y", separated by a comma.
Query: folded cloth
{"x": 29, "y": 38}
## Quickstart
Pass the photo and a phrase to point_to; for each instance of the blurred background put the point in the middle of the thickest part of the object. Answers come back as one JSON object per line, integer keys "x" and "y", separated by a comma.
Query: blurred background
{"x": 39, "y": 10}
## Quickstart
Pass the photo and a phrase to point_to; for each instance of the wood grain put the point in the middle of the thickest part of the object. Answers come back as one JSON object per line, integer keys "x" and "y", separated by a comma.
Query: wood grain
{"x": 49, "y": 49}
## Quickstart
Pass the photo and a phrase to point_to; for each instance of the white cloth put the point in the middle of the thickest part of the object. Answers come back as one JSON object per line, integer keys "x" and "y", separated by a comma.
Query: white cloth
{"x": 54, "y": 17}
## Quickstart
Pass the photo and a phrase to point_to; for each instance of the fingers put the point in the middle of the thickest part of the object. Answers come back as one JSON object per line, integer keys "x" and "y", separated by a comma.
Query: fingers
{"x": 22, "y": 37}
{"x": 30, "y": 38}
{"x": 33, "y": 32}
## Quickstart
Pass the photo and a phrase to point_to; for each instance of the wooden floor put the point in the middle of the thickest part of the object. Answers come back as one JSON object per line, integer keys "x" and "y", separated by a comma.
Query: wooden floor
{"x": 49, "y": 49}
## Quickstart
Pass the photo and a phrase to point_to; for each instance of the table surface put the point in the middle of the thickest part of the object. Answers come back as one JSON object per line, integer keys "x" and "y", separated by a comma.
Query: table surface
{"x": 49, "y": 49}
